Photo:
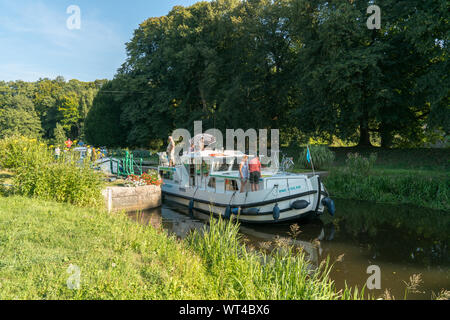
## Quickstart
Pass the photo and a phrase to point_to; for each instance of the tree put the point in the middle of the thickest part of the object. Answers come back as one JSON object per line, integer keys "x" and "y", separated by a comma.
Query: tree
{"x": 17, "y": 116}
{"x": 310, "y": 68}
{"x": 60, "y": 136}
{"x": 103, "y": 125}
{"x": 355, "y": 81}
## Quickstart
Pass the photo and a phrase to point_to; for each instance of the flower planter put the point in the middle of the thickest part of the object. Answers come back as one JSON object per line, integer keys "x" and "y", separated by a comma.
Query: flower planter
{"x": 132, "y": 198}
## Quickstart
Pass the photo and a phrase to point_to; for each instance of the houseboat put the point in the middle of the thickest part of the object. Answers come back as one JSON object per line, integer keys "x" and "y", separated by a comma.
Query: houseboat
{"x": 209, "y": 182}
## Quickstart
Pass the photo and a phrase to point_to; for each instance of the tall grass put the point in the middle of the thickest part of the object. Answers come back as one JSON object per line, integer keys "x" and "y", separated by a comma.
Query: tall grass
{"x": 63, "y": 181}
{"x": 38, "y": 174}
{"x": 240, "y": 273}
{"x": 119, "y": 259}
{"x": 360, "y": 166}
{"x": 15, "y": 151}
{"x": 322, "y": 157}
{"x": 358, "y": 181}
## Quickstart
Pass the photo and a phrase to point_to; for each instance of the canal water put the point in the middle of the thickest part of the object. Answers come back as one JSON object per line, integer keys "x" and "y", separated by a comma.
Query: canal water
{"x": 401, "y": 240}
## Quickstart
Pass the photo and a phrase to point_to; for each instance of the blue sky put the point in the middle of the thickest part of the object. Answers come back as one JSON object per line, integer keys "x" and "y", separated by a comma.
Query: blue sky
{"x": 36, "y": 43}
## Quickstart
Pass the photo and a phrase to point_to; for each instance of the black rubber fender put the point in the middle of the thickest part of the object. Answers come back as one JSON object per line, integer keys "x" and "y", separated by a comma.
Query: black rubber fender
{"x": 276, "y": 212}
{"x": 251, "y": 211}
{"x": 329, "y": 203}
{"x": 300, "y": 204}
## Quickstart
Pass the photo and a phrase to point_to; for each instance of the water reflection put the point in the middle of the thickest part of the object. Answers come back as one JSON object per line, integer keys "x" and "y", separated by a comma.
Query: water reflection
{"x": 401, "y": 240}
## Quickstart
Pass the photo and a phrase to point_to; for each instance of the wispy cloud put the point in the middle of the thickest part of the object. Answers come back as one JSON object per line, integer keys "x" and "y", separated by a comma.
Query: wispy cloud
{"x": 35, "y": 34}
{"x": 25, "y": 72}
{"x": 35, "y": 41}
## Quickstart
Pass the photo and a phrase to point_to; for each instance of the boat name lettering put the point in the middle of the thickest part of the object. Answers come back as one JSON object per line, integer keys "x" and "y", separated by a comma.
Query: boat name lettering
{"x": 290, "y": 189}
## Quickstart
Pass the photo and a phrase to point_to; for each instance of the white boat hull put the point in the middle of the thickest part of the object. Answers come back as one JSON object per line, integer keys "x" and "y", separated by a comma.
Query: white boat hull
{"x": 299, "y": 198}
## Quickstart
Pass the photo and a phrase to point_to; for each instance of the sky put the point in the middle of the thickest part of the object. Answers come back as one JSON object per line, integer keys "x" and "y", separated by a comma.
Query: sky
{"x": 35, "y": 41}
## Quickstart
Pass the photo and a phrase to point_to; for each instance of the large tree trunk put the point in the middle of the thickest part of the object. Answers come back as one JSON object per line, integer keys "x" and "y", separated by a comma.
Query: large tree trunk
{"x": 364, "y": 137}
{"x": 202, "y": 96}
{"x": 386, "y": 136}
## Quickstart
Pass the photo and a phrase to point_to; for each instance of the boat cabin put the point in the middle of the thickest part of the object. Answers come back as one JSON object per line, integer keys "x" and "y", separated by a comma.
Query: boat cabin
{"x": 211, "y": 171}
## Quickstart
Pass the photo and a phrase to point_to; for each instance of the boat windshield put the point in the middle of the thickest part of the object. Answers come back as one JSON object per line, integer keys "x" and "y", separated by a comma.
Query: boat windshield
{"x": 221, "y": 166}
{"x": 236, "y": 165}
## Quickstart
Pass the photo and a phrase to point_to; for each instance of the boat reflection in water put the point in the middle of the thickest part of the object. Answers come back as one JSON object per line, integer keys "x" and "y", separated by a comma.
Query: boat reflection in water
{"x": 176, "y": 220}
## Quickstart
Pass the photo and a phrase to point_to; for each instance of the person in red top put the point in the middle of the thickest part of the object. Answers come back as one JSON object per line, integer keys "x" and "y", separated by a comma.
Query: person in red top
{"x": 69, "y": 143}
{"x": 255, "y": 173}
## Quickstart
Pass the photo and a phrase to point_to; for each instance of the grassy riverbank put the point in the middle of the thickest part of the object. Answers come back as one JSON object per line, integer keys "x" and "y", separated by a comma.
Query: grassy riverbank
{"x": 418, "y": 177}
{"x": 382, "y": 186}
{"x": 119, "y": 259}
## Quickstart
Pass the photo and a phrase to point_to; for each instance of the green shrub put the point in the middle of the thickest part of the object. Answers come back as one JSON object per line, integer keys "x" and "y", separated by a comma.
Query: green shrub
{"x": 141, "y": 154}
{"x": 17, "y": 151}
{"x": 117, "y": 153}
{"x": 120, "y": 153}
{"x": 360, "y": 166}
{"x": 322, "y": 157}
{"x": 60, "y": 136}
{"x": 39, "y": 174}
{"x": 63, "y": 180}
{"x": 358, "y": 181}
{"x": 412, "y": 189}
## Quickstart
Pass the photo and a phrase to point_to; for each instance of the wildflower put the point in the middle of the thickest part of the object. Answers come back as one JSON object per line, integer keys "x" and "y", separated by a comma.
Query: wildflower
{"x": 281, "y": 242}
{"x": 414, "y": 283}
{"x": 340, "y": 258}
{"x": 266, "y": 245}
{"x": 443, "y": 295}
{"x": 387, "y": 295}
{"x": 316, "y": 243}
{"x": 294, "y": 231}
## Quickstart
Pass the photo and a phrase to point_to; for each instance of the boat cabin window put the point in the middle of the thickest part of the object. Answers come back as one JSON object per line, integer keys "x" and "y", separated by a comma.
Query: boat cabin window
{"x": 212, "y": 183}
{"x": 221, "y": 166}
{"x": 205, "y": 169}
{"x": 231, "y": 185}
{"x": 236, "y": 165}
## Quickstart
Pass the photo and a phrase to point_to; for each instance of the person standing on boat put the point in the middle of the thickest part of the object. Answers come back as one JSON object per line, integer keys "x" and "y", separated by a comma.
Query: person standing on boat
{"x": 244, "y": 172}
{"x": 255, "y": 173}
{"x": 171, "y": 152}
{"x": 202, "y": 144}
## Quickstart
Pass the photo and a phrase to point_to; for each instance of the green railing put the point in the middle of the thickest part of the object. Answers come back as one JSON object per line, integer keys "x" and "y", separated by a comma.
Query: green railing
{"x": 126, "y": 165}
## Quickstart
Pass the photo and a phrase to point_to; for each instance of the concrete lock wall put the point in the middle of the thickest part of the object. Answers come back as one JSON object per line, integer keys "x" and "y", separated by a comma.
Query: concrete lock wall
{"x": 132, "y": 199}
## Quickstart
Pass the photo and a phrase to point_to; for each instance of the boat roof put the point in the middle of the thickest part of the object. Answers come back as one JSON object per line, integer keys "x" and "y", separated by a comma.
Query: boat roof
{"x": 213, "y": 155}
{"x": 235, "y": 174}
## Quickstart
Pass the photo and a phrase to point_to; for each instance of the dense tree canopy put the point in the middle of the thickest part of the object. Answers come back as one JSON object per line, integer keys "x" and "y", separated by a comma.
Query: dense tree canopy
{"x": 310, "y": 68}
{"x": 37, "y": 108}
{"x": 18, "y": 116}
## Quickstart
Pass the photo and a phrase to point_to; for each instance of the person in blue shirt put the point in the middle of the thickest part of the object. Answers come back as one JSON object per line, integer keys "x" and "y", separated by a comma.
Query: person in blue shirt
{"x": 244, "y": 172}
